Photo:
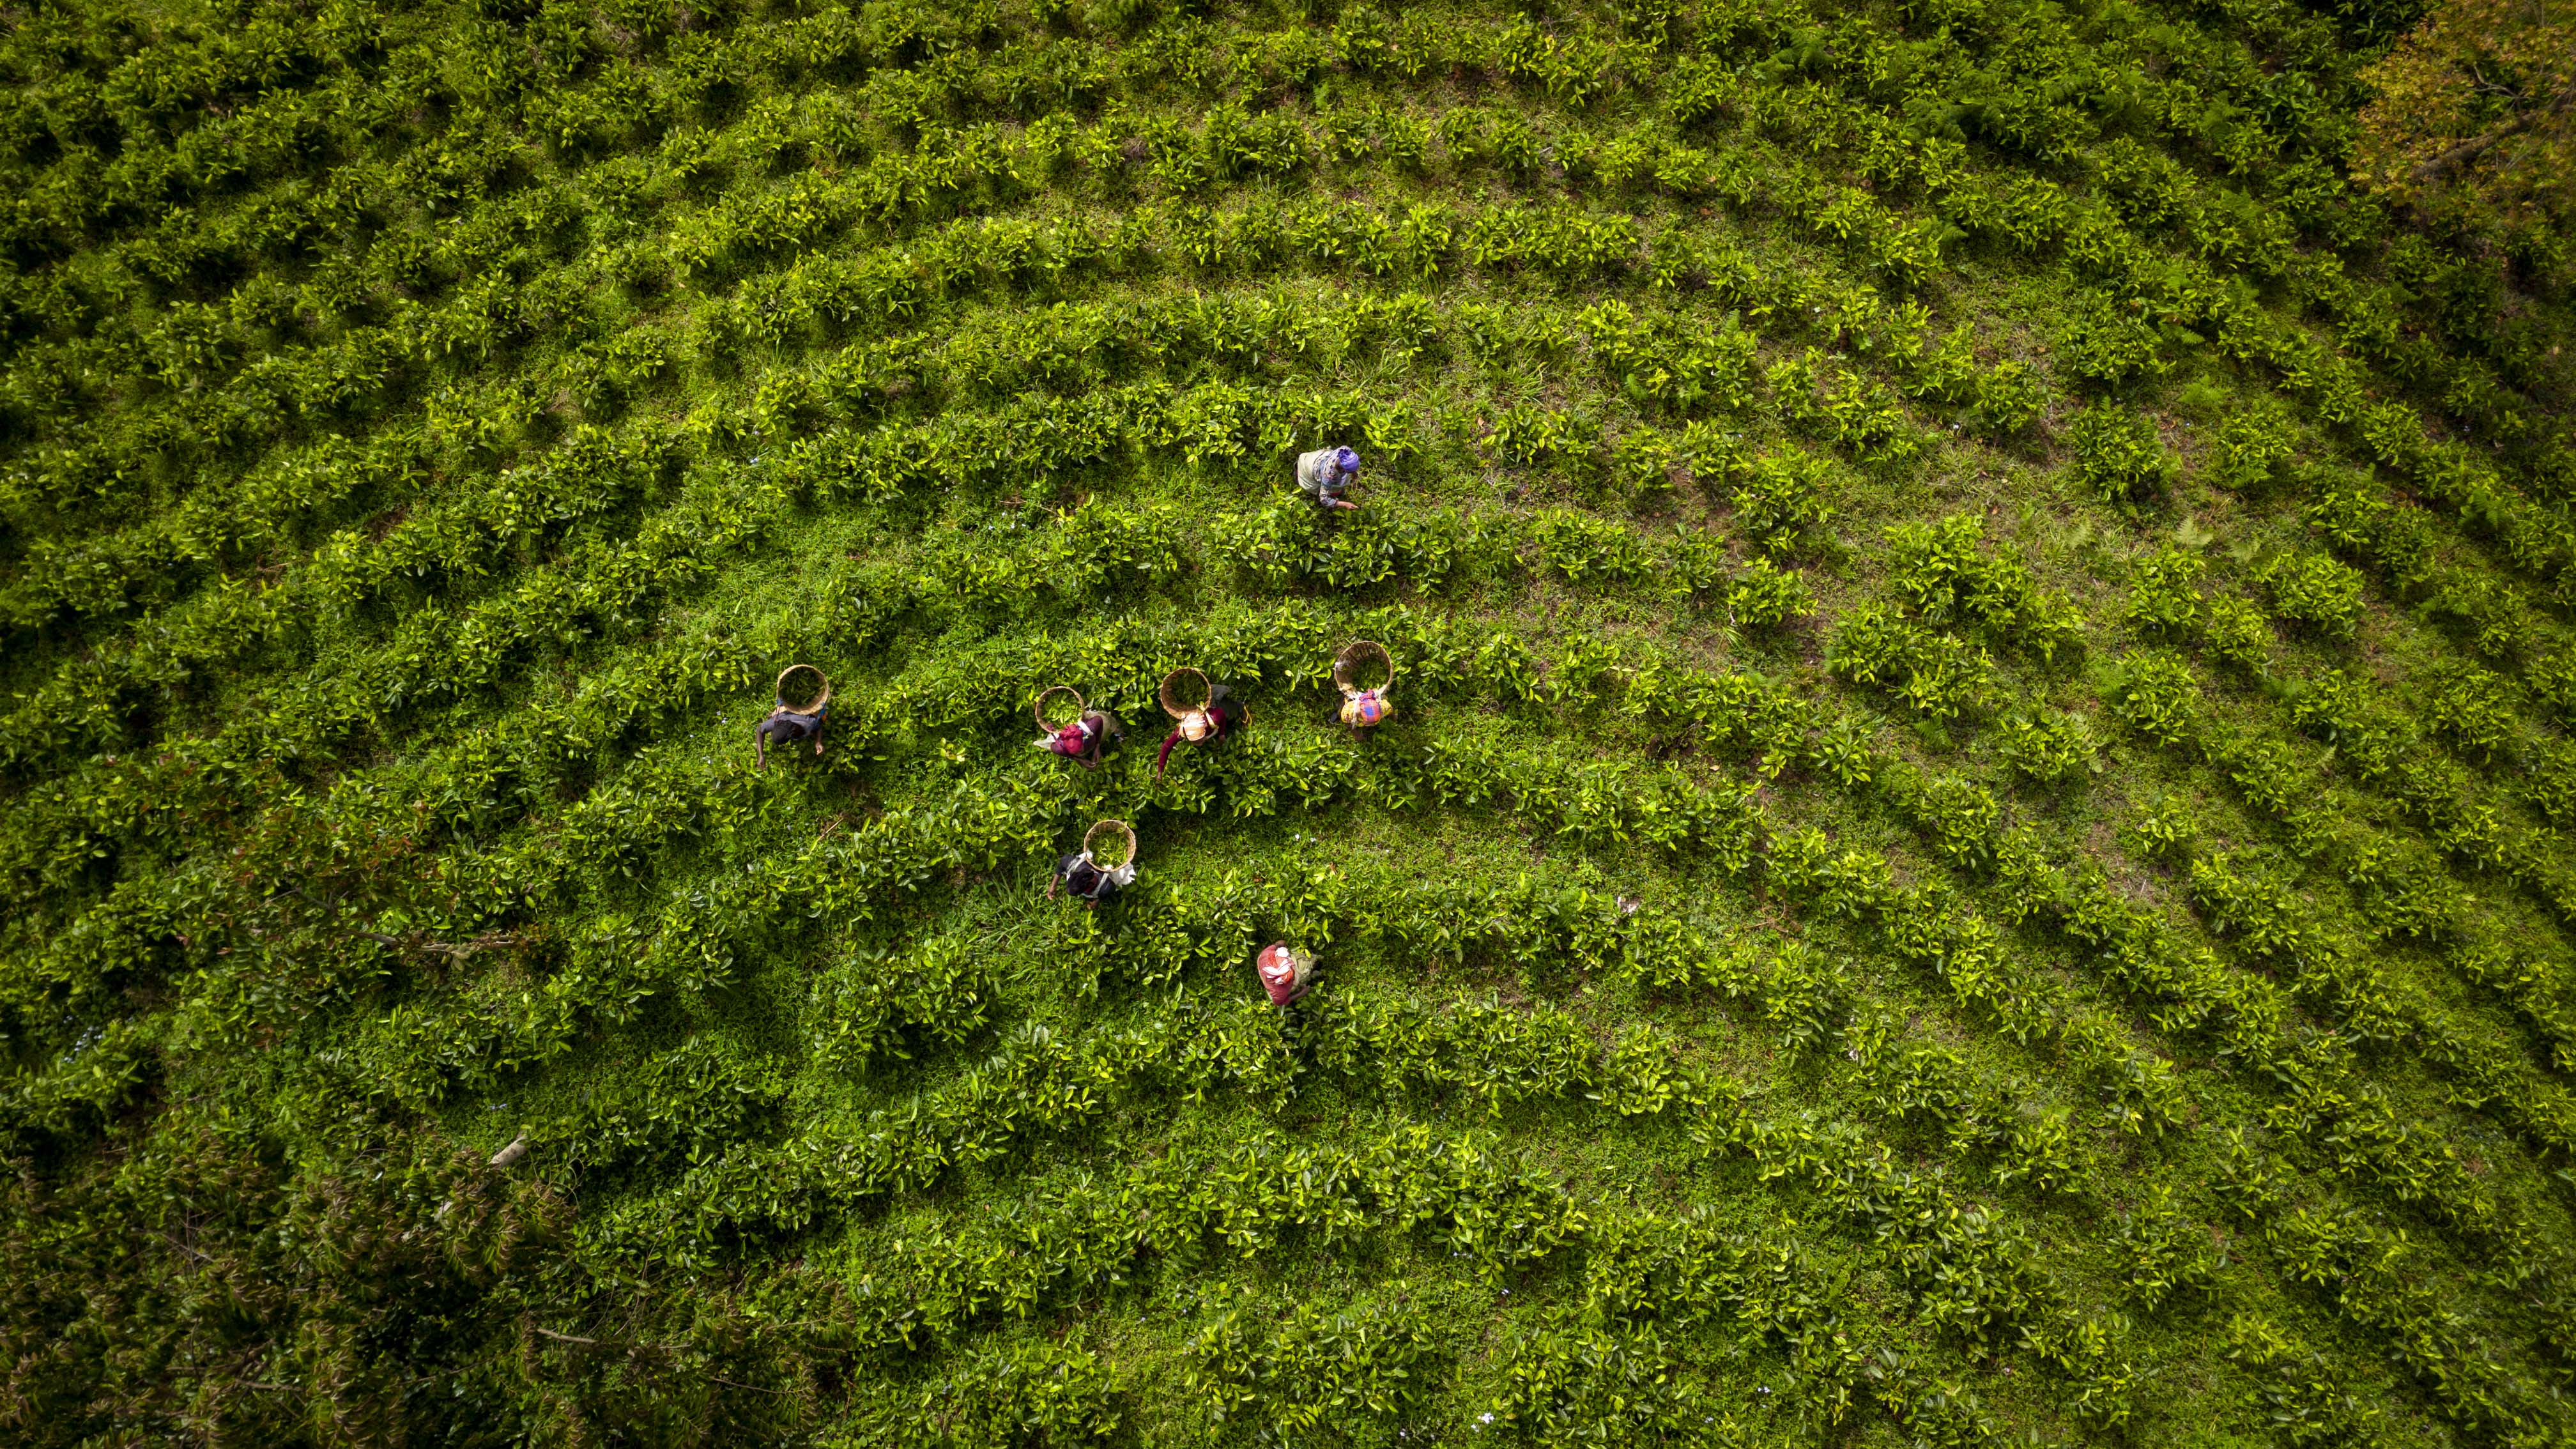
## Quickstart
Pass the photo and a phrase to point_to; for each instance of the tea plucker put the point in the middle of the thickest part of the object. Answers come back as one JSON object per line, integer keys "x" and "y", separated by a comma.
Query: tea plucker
{"x": 1215, "y": 716}
{"x": 790, "y": 724}
{"x": 1285, "y": 974}
{"x": 1092, "y": 733}
{"x": 1082, "y": 876}
{"x": 1364, "y": 706}
{"x": 1324, "y": 473}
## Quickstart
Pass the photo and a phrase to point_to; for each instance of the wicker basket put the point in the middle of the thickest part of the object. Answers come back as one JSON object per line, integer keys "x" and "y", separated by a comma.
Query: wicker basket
{"x": 1346, "y": 666}
{"x": 1172, "y": 705}
{"x": 820, "y": 700}
{"x": 1040, "y": 709}
{"x": 1091, "y": 838}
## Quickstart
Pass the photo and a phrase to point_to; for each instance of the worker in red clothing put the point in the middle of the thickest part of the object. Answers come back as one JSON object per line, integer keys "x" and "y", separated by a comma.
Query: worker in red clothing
{"x": 1285, "y": 974}
{"x": 1084, "y": 740}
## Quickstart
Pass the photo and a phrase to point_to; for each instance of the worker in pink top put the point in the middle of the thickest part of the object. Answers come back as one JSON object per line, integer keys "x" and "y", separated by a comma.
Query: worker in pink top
{"x": 1285, "y": 974}
{"x": 1086, "y": 739}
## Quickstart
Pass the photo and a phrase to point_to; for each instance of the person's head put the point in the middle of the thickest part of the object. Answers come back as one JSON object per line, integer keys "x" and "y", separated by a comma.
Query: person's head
{"x": 1196, "y": 726}
{"x": 1346, "y": 460}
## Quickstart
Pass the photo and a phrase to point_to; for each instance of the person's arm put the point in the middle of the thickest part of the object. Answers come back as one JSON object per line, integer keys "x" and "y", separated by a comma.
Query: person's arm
{"x": 760, "y": 746}
{"x": 819, "y": 722}
{"x": 1165, "y": 756}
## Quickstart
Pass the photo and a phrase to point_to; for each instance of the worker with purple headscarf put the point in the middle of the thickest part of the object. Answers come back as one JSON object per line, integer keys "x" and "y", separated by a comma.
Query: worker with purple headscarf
{"x": 1325, "y": 472}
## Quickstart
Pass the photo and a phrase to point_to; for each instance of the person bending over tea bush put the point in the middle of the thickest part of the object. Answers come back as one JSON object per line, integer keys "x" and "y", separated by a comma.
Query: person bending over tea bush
{"x": 1285, "y": 974}
{"x": 1082, "y": 876}
{"x": 1325, "y": 472}
{"x": 790, "y": 724}
{"x": 1086, "y": 739}
{"x": 1209, "y": 721}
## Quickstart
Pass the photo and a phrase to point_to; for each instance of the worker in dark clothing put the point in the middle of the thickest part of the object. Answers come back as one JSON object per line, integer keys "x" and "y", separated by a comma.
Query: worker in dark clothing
{"x": 790, "y": 724}
{"x": 1083, "y": 877}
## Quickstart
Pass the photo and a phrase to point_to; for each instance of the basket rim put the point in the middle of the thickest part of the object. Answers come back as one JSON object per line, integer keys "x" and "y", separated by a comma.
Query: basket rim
{"x": 1038, "y": 710}
{"x": 820, "y": 700}
{"x": 1164, "y": 694}
{"x": 1346, "y": 662}
{"x": 1123, "y": 828}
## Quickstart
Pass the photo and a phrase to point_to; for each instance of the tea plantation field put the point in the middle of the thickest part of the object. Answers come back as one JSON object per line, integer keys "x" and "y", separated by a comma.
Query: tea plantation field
{"x": 1977, "y": 844}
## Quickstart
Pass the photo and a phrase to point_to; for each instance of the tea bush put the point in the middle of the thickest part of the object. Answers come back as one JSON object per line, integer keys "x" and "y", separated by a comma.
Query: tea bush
{"x": 2315, "y": 591}
{"x": 1765, "y": 595}
{"x": 2106, "y": 347}
{"x": 2045, "y": 747}
{"x": 2238, "y": 632}
{"x": 2117, "y": 453}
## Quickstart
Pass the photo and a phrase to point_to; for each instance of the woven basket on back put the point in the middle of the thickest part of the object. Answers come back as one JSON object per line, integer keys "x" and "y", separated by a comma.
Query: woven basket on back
{"x": 1346, "y": 665}
{"x": 1171, "y": 697}
{"x": 1079, "y": 707}
{"x": 1091, "y": 842}
{"x": 820, "y": 700}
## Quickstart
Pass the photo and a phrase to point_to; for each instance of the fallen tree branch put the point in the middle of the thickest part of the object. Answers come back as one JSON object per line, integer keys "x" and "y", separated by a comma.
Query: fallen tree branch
{"x": 2478, "y": 145}
{"x": 631, "y": 1348}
